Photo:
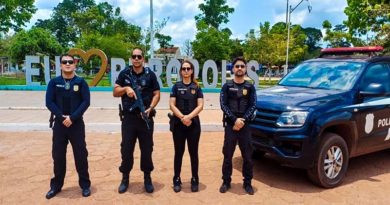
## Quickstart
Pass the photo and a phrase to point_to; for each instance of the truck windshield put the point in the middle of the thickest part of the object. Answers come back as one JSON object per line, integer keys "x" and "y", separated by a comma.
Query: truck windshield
{"x": 332, "y": 75}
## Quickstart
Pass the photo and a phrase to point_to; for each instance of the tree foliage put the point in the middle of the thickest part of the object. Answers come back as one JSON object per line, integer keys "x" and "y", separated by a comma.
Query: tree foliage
{"x": 62, "y": 23}
{"x": 370, "y": 17}
{"x": 367, "y": 15}
{"x": 339, "y": 36}
{"x": 85, "y": 24}
{"x": 214, "y": 12}
{"x": 36, "y": 41}
{"x": 313, "y": 37}
{"x": 269, "y": 47}
{"x": 14, "y": 14}
{"x": 164, "y": 40}
{"x": 211, "y": 43}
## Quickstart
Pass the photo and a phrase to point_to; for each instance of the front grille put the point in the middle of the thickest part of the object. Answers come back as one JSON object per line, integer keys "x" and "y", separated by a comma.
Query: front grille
{"x": 266, "y": 117}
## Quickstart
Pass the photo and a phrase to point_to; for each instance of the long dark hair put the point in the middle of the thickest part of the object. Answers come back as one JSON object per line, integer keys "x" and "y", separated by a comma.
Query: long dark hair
{"x": 193, "y": 72}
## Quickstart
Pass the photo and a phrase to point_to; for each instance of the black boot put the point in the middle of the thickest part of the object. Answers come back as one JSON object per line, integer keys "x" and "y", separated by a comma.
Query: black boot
{"x": 176, "y": 184}
{"x": 148, "y": 183}
{"x": 124, "y": 184}
{"x": 224, "y": 187}
{"x": 194, "y": 184}
{"x": 248, "y": 188}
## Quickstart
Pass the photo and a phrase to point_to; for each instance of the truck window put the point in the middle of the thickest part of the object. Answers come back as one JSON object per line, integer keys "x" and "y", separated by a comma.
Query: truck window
{"x": 332, "y": 75}
{"x": 379, "y": 74}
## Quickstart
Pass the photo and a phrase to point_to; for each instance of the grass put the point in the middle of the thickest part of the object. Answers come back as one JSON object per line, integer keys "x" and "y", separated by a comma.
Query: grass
{"x": 12, "y": 80}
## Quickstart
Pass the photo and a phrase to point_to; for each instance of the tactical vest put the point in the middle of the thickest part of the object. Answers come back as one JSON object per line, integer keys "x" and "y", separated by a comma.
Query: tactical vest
{"x": 186, "y": 98}
{"x": 238, "y": 97}
{"x": 144, "y": 81}
{"x": 71, "y": 95}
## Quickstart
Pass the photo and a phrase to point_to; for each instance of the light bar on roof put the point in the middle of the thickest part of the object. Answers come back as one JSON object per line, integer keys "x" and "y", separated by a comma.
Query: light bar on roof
{"x": 366, "y": 49}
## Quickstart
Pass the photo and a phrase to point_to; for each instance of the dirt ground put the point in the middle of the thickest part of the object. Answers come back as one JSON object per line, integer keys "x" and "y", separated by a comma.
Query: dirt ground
{"x": 26, "y": 169}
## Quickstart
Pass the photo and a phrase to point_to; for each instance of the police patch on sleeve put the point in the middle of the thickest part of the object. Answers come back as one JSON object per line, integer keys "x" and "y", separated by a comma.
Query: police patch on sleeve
{"x": 75, "y": 88}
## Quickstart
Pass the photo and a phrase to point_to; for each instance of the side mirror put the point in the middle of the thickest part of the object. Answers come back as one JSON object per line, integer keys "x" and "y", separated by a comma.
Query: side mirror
{"x": 373, "y": 90}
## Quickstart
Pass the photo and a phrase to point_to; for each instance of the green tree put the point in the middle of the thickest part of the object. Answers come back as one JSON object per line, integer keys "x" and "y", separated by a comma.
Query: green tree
{"x": 62, "y": 23}
{"x": 36, "y": 41}
{"x": 214, "y": 12}
{"x": 5, "y": 43}
{"x": 370, "y": 17}
{"x": 14, "y": 14}
{"x": 339, "y": 36}
{"x": 367, "y": 15}
{"x": 210, "y": 43}
{"x": 113, "y": 46}
{"x": 313, "y": 37}
{"x": 163, "y": 40}
{"x": 237, "y": 48}
{"x": 269, "y": 47}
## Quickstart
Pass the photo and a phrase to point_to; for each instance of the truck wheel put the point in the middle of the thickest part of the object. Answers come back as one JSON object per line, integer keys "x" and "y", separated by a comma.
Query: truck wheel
{"x": 331, "y": 161}
{"x": 257, "y": 154}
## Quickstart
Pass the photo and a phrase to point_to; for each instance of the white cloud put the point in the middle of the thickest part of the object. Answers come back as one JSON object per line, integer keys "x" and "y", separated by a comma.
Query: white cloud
{"x": 40, "y": 14}
{"x": 181, "y": 30}
{"x": 181, "y": 13}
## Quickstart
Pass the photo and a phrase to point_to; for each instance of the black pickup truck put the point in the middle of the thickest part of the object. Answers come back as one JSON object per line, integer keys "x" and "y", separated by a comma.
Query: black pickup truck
{"x": 326, "y": 111}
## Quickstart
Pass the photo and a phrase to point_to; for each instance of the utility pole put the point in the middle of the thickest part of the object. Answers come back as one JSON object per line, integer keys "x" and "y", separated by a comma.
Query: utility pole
{"x": 289, "y": 10}
{"x": 151, "y": 31}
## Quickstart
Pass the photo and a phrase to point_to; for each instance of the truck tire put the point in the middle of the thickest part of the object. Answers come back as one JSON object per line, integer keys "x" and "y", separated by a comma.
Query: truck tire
{"x": 331, "y": 161}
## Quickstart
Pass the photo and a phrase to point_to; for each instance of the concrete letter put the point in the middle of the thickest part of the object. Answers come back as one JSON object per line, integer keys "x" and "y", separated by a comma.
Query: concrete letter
{"x": 116, "y": 62}
{"x": 31, "y": 71}
{"x": 156, "y": 66}
{"x": 252, "y": 72}
{"x": 175, "y": 65}
{"x": 210, "y": 64}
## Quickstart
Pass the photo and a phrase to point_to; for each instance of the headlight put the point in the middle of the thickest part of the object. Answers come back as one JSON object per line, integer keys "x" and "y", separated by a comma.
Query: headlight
{"x": 292, "y": 119}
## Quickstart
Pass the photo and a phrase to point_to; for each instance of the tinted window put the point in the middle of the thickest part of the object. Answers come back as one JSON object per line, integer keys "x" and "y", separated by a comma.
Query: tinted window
{"x": 333, "y": 75}
{"x": 378, "y": 74}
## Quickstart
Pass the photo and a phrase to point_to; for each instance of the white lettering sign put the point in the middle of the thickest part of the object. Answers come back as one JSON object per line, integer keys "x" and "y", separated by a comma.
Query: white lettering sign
{"x": 118, "y": 64}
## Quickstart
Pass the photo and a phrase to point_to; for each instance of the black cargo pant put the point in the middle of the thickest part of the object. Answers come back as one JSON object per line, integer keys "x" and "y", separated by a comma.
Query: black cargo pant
{"x": 75, "y": 134}
{"x": 181, "y": 133}
{"x": 133, "y": 127}
{"x": 242, "y": 137}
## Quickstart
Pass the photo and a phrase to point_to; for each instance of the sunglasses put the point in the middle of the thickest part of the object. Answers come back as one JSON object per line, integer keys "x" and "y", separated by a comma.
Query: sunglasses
{"x": 239, "y": 66}
{"x": 139, "y": 57}
{"x": 186, "y": 68}
{"x": 70, "y": 62}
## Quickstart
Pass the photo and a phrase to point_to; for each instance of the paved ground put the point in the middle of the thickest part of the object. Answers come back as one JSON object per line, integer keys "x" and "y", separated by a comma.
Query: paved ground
{"x": 26, "y": 164}
{"x": 26, "y": 168}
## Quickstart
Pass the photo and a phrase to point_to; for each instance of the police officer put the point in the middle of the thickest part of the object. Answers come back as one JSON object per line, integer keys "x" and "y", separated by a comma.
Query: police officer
{"x": 186, "y": 102}
{"x": 238, "y": 99}
{"x": 133, "y": 124}
{"x": 67, "y": 98}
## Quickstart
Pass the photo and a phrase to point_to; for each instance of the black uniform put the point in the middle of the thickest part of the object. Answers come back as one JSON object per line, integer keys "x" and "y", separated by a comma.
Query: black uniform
{"x": 186, "y": 101}
{"x": 237, "y": 101}
{"x": 133, "y": 126}
{"x": 68, "y": 97}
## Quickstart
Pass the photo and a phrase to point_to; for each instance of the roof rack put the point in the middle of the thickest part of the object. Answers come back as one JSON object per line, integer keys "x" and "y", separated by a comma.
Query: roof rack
{"x": 367, "y": 51}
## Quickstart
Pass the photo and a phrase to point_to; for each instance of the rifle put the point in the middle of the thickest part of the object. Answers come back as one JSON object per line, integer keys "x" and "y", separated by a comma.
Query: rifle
{"x": 51, "y": 120}
{"x": 138, "y": 102}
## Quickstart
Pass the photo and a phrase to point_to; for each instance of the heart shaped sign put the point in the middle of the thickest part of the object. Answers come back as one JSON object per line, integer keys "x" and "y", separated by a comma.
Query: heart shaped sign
{"x": 87, "y": 55}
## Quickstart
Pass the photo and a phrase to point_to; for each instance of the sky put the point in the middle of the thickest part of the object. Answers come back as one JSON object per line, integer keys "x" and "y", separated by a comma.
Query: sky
{"x": 248, "y": 14}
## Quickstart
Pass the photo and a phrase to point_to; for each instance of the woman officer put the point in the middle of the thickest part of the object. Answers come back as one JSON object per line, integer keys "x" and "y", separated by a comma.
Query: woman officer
{"x": 186, "y": 102}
